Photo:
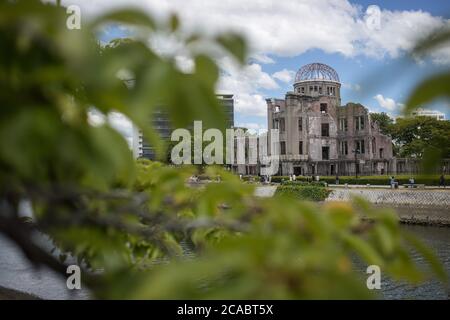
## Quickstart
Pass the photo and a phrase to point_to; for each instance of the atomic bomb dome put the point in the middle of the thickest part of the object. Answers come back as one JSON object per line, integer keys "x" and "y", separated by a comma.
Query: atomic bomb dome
{"x": 316, "y": 71}
{"x": 318, "y": 79}
{"x": 319, "y": 136}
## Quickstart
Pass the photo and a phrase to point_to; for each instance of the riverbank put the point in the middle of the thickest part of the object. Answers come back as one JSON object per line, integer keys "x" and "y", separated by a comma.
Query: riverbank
{"x": 420, "y": 216}
{"x": 425, "y": 207}
{"x": 413, "y": 206}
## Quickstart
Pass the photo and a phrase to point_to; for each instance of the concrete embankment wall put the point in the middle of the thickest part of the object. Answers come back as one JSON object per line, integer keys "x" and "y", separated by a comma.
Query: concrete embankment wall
{"x": 413, "y": 206}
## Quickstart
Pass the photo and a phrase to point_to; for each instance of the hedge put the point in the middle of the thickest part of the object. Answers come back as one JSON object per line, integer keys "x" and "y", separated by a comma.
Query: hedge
{"x": 304, "y": 183}
{"x": 303, "y": 192}
{"x": 429, "y": 180}
{"x": 279, "y": 179}
{"x": 432, "y": 180}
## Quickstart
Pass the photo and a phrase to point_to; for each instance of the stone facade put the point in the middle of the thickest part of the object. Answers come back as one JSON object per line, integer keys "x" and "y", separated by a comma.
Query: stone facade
{"x": 318, "y": 136}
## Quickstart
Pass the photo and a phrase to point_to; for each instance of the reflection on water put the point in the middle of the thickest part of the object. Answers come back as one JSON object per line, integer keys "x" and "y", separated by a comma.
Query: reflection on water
{"x": 17, "y": 273}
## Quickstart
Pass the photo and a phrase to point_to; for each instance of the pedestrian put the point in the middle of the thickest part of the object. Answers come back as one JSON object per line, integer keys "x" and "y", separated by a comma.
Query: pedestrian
{"x": 391, "y": 182}
{"x": 442, "y": 181}
{"x": 337, "y": 179}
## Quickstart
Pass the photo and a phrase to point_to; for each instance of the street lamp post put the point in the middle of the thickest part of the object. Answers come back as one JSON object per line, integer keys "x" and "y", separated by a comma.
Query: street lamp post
{"x": 356, "y": 151}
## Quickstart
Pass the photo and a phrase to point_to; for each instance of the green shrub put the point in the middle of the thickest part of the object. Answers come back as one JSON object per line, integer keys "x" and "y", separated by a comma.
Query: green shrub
{"x": 304, "y": 192}
{"x": 280, "y": 179}
{"x": 303, "y": 183}
{"x": 250, "y": 178}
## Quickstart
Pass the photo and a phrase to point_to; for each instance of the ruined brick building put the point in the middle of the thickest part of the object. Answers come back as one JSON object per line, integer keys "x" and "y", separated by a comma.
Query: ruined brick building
{"x": 319, "y": 136}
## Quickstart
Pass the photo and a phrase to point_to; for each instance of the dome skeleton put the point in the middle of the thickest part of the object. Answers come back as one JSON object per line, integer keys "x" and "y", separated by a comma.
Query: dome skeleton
{"x": 316, "y": 71}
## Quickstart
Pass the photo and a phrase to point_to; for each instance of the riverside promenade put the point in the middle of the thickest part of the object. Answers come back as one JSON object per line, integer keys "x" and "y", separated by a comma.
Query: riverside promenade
{"x": 416, "y": 206}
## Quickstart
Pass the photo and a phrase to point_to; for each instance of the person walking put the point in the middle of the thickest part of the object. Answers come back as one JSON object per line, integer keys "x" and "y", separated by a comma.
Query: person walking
{"x": 442, "y": 181}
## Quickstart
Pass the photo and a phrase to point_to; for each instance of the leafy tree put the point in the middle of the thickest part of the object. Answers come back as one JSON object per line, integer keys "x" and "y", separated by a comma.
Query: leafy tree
{"x": 125, "y": 218}
{"x": 384, "y": 121}
{"x": 436, "y": 86}
{"x": 416, "y": 135}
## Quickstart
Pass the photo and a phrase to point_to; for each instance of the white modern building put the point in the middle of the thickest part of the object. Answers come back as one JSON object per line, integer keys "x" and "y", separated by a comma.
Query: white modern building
{"x": 429, "y": 113}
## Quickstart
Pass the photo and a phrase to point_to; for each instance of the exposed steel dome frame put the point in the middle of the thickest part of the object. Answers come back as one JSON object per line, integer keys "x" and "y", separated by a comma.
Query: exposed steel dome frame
{"x": 316, "y": 71}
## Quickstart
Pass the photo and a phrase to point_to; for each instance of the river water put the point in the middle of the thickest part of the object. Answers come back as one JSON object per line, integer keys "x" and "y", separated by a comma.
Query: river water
{"x": 17, "y": 273}
{"x": 437, "y": 238}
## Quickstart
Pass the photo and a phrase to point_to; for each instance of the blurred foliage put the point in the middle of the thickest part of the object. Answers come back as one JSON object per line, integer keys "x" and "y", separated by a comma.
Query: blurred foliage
{"x": 432, "y": 88}
{"x": 131, "y": 224}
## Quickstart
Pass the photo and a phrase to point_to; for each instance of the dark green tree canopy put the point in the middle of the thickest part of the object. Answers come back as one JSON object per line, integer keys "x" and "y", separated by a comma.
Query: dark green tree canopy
{"x": 415, "y": 135}
{"x": 384, "y": 122}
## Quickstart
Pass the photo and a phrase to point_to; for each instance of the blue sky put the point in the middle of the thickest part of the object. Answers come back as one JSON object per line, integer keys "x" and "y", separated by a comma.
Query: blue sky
{"x": 284, "y": 35}
{"x": 363, "y": 78}
{"x": 435, "y": 7}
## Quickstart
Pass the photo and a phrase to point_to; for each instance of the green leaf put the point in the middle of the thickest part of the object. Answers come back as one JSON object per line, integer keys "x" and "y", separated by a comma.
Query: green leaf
{"x": 174, "y": 23}
{"x": 234, "y": 44}
{"x": 363, "y": 249}
{"x": 206, "y": 69}
{"x": 436, "y": 39}
{"x": 437, "y": 86}
{"x": 385, "y": 238}
{"x": 126, "y": 16}
{"x": 434, "y": 262}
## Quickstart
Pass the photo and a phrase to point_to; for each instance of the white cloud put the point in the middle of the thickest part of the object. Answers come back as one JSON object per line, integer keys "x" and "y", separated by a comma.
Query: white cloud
{"x": 95, "y": 117}
{"x": 399, "y": 31}
{"x": 246, "y": 84}
{"x": 284, "y": 75}
{"x": 122, "y": 124}
{"x": 251, "y": 104}
{"x": 387, "y": 103}
{"x": 117, "y": 120}
{"x": 289, "y": 28}
{"x": 262, "y": 58}
{"x": 252, "y": 127}
{"x": 285, "y": 28}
